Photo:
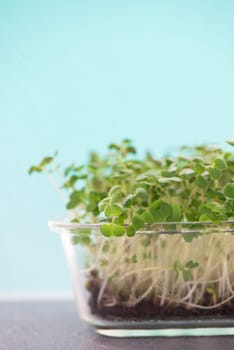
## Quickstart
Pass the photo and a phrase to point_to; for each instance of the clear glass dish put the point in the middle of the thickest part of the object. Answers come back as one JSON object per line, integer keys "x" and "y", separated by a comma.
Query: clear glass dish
{"x": 170, "y": 279}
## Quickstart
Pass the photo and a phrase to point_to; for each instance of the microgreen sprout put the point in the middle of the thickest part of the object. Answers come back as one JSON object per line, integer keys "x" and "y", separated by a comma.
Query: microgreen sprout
{"x": 130, "y": 198}
{"x": 123, "y": 190}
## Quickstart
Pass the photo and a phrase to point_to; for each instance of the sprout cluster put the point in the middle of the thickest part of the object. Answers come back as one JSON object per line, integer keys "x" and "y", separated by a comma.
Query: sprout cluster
{"x": 125, "y": 193}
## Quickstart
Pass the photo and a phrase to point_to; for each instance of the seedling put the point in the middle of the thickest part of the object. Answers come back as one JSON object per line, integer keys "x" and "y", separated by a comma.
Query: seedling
{"x": 166, "y": 228}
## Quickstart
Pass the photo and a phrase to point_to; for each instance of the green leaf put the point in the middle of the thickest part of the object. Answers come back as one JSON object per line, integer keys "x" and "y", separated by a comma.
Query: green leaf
{"x": 217, "y": 218}
{"x": 114, "y": 189}
{"x": 75, "y": 221}
{"x": 131, "y": 149}
{"x": 137, "y": 221}
{"x": 75, "y": 199}
{"x": 147, "y": 217}
{"x": 188, "y": 237}
{"x": 191, "y": 264}
{"x": 128, "y": 201}
{"x": 114, "y": 146}
{"x": 205, "y": 217}
{"x": 103, "y": 204}
{"x": 82, "y": 240}
{"x": 141, "y": 193}
{"x": 156, "y": 213}
{"x": 202, "y": 209}
{"x": 126, "y": 141}
{"x": 160, "y": 210}
{"x": 130, "y": 231}
{"x": 187, "y": 275}
{"x": 201, "y": 181}
{"x": 230, "y": 142}
{"x": 118, "y": 220}
{"x": 69, "y": 169}
{"x": 85, "y": 231}
{"x": 46, "y": 161}
{"x": 213, "y": 217}
{"x": 216, "y": 207}
{"x": 168, "y": 179}
{"x": 145, "y": 242}
{"x": 106, "y": 230}
{"x": 191, "y": 214}
{"x": 229, "y": 191}
{"x": 118, "y": 230}
{"x": 177, "y": 268}
{"x": 34, "y": 169}
{"x": 215, "y": 173}
{"x": 220, "y": 163}
{"x": 81, "y": 231}
{"x": 176, "y": 213}
{"x": 71, "y": 182}
{"x": 73, "y": 168}
{"x": 149, "y": 176}
{"x": 156, "y": 204}
{"x": 165, "y": 209}
{"x": 133, "y": 259}
{"x": 186, "y": 172}
{"x": 113, "y": 210}
{"x": 116, "y": 197}
{"x": 199, "y": 166}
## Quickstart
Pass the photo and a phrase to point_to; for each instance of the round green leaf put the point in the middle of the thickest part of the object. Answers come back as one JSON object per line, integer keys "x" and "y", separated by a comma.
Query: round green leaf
{"x": 205, "y": 217}
{"x": 106, "y": 230}
{"x": 188, "y": 237}
{"x": 156, "y": 204}
{"x": 187, "y": 275}
{"x": 116, "y": 196}
{"x": 176, "y": 213}
{"x": 199, "y": 167}
{"x": 141, "y": 193}
{"x": 114, "y": 189}
{"x": 165, "y": 209}
{"x": 191, "y": 264}
{"x": 113, "y": 210}
{"x": 215, "y": 173}
{"x": 216, "y": 207}
{"x": 160, "y": 210}
{"x": 118, "y": 230}
{"x": 137, "y": 221}
{"x": 82, "y": 240}
{"x": 201, "y": 181}
{"x": 229, "y": 191}
{"x": 130, "y": 231}
{"x": 102, "y": 205}
{"x": 220, "y": 163}
{"x": 74, "y": 201}
{"x": 148, "y": 217}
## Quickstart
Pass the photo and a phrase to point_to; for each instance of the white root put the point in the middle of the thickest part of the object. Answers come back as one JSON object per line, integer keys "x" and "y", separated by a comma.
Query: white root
{"x": 151, "y": 273}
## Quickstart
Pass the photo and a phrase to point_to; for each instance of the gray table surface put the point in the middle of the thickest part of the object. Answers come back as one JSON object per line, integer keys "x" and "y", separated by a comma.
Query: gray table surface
{"x": 55, "y": 325}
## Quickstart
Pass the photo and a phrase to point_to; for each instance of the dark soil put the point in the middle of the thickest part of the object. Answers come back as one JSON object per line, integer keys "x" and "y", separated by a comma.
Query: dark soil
{"x": 146, "y": 309}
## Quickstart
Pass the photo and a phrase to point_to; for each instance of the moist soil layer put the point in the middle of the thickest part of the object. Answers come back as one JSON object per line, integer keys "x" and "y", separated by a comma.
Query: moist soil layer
{"x": 146, "y": 309}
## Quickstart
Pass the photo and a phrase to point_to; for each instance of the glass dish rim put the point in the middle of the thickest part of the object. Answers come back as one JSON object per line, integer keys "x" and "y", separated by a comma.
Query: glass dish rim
{"x": 66, "y": 227}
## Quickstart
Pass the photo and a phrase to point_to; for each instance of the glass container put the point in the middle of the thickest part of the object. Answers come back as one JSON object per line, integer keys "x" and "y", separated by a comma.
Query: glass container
{"x": 169, "y": 279}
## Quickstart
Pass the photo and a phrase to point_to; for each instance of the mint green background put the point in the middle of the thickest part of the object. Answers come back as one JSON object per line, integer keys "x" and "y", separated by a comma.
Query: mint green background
{"x": 76, "y": 75}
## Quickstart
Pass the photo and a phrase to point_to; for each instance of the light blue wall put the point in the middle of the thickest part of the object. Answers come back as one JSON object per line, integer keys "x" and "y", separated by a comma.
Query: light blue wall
{"x": 75, "y": 75}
